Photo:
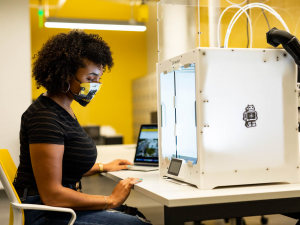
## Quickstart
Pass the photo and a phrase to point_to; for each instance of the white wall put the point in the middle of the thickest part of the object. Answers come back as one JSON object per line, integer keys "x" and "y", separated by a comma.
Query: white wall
{"x": 177, "y": 30}
{"x": 213, "y": 15}
{"x": 144, "y": 91}
{"x": 152, "y": 54}
{"x": 15, "y": 75}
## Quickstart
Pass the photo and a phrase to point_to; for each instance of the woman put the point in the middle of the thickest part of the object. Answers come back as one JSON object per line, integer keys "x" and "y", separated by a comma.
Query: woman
{"x": 55, "y": 151}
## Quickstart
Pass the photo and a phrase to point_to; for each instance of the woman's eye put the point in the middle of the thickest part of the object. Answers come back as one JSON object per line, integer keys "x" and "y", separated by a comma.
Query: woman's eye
{"x": 93, "y": 80}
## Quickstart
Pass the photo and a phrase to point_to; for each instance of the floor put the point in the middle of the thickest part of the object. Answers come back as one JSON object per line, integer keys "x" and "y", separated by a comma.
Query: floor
{"x": 151, "y": 209}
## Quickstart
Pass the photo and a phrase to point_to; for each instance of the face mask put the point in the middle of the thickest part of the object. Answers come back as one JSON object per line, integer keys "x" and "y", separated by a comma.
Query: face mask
{"x": 87, "y": 92}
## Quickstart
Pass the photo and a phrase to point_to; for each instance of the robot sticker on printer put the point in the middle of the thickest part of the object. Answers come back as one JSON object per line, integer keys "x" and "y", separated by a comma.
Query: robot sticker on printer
{"x": 250, "y": 116}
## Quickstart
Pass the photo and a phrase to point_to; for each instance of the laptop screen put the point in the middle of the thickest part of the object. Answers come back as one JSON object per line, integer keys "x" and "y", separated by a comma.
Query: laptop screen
{"x": 147, "y": 145}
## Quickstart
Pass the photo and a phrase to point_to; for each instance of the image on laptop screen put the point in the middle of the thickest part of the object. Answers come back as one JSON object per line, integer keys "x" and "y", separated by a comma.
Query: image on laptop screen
{"x": 147, "y": 146}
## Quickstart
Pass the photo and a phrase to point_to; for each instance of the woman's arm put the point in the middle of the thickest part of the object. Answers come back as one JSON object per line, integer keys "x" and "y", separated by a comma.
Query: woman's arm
{"x": 115, "y": 165}
{"x": 46, "y": 160}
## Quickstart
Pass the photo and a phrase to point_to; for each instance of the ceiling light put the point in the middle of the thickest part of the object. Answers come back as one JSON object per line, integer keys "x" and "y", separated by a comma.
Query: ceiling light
{"x": 94, "y": 24}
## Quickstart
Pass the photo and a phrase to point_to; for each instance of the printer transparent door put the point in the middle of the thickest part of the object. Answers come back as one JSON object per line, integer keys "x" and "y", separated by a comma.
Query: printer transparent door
{"x": 168, "y": 140}
{"x": 185, "y": 113}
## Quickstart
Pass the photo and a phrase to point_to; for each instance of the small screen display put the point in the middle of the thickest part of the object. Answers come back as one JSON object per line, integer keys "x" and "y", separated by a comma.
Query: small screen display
{"x": 175, "y": 166}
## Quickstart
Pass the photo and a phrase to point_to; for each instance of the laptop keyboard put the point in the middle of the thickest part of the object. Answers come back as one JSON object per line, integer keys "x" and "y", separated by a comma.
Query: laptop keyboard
{"x": 144, "y": 164}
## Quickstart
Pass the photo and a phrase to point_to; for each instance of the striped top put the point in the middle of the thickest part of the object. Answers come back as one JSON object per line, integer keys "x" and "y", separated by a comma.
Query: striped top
{"x": 47, "y": 122}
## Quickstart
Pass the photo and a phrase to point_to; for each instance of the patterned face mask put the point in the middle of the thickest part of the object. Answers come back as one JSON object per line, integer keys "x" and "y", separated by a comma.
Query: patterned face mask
{"x": 87, "y": 92}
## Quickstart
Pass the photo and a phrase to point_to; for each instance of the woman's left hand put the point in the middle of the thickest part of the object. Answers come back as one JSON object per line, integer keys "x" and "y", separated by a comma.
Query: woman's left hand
{"x": 116, "y": 165}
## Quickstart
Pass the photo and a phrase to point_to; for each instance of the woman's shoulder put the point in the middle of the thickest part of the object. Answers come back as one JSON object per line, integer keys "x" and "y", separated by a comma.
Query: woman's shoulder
{"x": 41, "y": 106}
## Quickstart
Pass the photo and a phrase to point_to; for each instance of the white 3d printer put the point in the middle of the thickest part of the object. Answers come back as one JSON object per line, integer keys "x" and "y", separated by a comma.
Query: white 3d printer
{"x": 228, "y": 117}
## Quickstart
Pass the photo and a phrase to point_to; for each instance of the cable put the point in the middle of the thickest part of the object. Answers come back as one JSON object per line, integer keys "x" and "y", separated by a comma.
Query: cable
{"x": 242, "y": 2}
{"x": 270, "y": 10}
{"x": 248, "y": 26}
{"x": 236, "y": 3}
{"x": 219, "y": 22}
{"x": 275, "y": 8}
{"x": 297, "y": 26}
{"x": 243, "y": 9}
{"x": 253, "y": 5}
{"x": 266, "y": 18}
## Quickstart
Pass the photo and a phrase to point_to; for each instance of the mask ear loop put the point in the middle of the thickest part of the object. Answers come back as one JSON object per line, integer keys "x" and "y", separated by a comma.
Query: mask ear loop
{"x": 77, "y": 79}
{"x": 67, "y": 89}
{"x": 79, "y": 83}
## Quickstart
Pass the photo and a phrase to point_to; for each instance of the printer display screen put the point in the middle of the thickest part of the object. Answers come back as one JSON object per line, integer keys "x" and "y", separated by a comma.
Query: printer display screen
{"x": 175, "y": 167}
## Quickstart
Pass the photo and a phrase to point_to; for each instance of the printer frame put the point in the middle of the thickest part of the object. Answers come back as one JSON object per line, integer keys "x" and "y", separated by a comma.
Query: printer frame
{"x": 231, "y": 86}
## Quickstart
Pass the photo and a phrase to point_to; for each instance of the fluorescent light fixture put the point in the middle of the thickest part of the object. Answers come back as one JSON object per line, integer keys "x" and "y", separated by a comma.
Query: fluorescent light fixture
{"x": 93, "y": 24}
{"x": 89, "y": 26}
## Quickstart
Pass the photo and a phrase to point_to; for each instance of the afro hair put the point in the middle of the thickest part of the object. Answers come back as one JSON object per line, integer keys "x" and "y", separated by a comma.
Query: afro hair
{"x": 63, "y": 54}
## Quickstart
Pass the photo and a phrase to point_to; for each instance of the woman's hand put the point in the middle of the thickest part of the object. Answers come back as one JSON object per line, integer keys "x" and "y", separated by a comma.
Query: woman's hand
{"x": 116, "y": 165}
{"x": 121, "y": 192}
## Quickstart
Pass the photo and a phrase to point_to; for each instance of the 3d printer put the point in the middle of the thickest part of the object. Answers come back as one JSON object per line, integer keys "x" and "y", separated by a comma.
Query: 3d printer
{"x": 228, "y": 117}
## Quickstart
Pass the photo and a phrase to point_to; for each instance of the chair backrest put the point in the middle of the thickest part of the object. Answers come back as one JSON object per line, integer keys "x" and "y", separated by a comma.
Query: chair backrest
{"x": 8, "y": 171}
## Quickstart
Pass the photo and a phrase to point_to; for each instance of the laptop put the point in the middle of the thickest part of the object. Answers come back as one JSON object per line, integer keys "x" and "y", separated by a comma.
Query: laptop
{"x": 146, "y": 153}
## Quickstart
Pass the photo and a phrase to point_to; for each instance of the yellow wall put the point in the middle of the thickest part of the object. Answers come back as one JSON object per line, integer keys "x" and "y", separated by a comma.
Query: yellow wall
{"x": 113, "y": 104}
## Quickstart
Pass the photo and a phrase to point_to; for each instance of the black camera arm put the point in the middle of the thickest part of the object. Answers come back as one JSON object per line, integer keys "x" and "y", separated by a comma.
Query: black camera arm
{"x": 289, "y": 42}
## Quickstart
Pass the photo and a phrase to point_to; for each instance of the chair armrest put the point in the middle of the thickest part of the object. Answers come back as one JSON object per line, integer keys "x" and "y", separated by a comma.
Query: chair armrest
{"x": 46, "y": 208}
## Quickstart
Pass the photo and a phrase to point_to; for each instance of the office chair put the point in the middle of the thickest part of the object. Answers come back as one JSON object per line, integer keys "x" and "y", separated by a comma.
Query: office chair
{"x": 8, "y": 170}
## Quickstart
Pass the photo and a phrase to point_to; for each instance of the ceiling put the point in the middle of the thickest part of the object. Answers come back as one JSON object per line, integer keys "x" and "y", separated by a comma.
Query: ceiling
{"x": 90, "y": 9}
{"x": 54, "y": 2}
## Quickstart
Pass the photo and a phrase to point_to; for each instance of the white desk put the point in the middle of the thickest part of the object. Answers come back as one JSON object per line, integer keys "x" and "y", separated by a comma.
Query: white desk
{"x": 186, "y": 203}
